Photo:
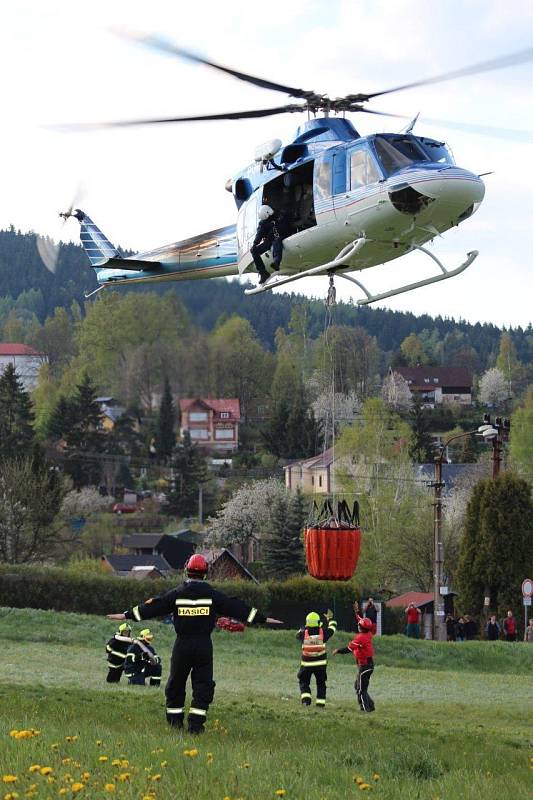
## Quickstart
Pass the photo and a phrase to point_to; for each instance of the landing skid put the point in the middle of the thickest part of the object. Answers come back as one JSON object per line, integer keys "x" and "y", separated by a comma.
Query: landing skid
{"x": 280, "y": 280}
{"x": 373, "y": 298}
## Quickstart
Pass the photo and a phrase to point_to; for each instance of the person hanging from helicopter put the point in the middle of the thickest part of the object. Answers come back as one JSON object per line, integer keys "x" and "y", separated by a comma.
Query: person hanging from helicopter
{"x": 314, "y": 658}
{"x": 194, "y": 606}
{"x": 272, "y": 229}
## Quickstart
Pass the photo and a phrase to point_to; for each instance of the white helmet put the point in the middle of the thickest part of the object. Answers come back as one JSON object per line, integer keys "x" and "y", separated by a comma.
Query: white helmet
{"x": 265, "y": 212}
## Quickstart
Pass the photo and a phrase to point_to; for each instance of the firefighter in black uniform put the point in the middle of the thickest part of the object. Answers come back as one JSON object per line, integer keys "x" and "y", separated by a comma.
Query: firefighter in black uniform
{"x": 142, "y": 661}
{"x": 194, "y": 606}
{"x": 314, "y": 659}
{"x": 116, "y": 650}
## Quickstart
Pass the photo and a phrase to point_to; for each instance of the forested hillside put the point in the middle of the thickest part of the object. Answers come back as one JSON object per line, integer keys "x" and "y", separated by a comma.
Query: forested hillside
{"x": 28, "y": 289}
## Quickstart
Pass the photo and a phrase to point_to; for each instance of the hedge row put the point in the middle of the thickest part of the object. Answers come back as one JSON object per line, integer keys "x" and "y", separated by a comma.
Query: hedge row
{"x": 63, "y": 590}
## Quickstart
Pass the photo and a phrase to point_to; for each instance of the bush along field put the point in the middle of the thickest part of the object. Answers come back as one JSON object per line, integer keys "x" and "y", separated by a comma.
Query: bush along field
{"x": 453, "y": 721}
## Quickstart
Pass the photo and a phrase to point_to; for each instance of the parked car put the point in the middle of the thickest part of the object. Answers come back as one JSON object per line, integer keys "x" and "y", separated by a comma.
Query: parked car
{"x": 123, "y": 508}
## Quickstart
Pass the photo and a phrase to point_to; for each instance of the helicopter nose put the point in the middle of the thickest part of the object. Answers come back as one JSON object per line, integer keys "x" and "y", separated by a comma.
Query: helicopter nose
{"x": 455, "y": 191}
{"x": 452, "y": 185}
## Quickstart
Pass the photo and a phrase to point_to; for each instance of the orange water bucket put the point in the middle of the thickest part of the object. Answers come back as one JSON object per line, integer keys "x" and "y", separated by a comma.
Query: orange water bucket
{"x": 333, "y": 543}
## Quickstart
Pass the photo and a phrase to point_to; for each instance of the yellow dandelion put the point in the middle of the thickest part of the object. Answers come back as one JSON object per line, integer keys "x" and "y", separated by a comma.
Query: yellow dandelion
{"x": 63, "y": 790}
{"x": 156, "y": 777}
{"x": 164, "y": 763}
{"x": 13, "y": 732}
{"x": 9, "y": 778}
{"x": 226, "y": 796}
{"x": 376, "y": 776}
{"x": 34, "y": 768}
{"x": 148, "y": 796}
{"x": 85, "y": 775}
{"x": 46, "y": 770}
{"x": 124, "y": 776}
{"x": 115, "y": 762}
{"x": 246, "y": 765}
{"x": 55, "y": 746}
{"x": 11, "y": 796}
{"x": 109, "y": 787}
{"x": 358, "y": 780}
{"x": 67, "y": 777}
{"x": 364, "y": 786}
{"x": 103, "y": 759}
{"x": 124, "y": 763}
{"x": 191, "y": 753}
{"x": 280, "y": 792}
{"x": 99, "y": 742}
{"x": 66, "y": 761}
{"x": 50, "y": 779}
{"x": 77, "y": 787}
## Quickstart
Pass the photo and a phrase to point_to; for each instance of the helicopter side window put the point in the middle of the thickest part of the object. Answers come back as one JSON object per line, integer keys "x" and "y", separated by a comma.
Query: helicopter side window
{"x": 362, "y": 169}
{"x": 323, "y": 178}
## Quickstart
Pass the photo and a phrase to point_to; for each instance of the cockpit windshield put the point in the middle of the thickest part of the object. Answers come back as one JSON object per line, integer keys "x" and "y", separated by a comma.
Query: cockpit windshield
{"x": 395, "y": 151}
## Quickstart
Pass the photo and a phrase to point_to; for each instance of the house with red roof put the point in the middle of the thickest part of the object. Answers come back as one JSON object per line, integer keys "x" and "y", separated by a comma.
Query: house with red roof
{"x": 213, "y": 424}
{"x": 26, "y": 360}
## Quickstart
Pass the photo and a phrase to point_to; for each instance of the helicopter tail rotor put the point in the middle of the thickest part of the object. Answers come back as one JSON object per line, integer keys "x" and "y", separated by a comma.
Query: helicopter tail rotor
{"x": 49, "y": 249}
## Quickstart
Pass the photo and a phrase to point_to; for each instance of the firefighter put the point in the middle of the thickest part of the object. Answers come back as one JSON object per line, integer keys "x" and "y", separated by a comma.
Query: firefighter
{"x": 116, "y": 650}
{"x": 194, "y": 606}
{"x": 142, "y": 661}
{"x": 363, "y": 652}
{"x": 314, "y": 658}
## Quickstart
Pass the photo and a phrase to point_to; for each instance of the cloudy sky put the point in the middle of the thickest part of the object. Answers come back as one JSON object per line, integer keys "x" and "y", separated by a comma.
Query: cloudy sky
{"x": 61, "y": 62}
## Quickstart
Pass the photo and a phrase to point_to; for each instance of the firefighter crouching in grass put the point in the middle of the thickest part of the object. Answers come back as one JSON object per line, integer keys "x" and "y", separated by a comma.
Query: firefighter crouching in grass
{"x": 116, "y": 650}
{"x": 142, "y": 661}
{"x": 363, "y": 652}
{"x": 194, "y": 606}
{"x": 314, "y": 660}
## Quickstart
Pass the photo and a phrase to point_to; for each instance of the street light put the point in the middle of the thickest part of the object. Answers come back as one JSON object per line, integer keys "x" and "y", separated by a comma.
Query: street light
{"x": 439, "y": 627}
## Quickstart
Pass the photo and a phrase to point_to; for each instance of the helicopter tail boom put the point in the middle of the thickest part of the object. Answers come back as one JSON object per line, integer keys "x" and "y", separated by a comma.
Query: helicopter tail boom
{"x": 97, "y": 246}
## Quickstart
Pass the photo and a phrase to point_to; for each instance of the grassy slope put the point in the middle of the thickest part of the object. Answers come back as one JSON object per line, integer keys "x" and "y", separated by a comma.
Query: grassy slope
{"x": 453, "y": 721}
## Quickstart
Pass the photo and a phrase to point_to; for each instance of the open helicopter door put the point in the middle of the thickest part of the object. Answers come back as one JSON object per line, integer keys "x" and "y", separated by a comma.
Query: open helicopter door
{"x": 247, "y": 221}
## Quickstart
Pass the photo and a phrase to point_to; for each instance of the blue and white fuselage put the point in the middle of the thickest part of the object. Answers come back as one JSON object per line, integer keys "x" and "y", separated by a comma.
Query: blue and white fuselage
{"x": 395, "y": 191}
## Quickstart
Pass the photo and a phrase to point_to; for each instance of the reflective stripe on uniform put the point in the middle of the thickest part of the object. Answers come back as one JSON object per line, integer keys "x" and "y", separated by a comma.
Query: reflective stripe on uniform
{"x": 116, "y": 653}
{"x": 320, "y": 702}
{"x": 251, "y": 615}
{"x": 175, "y": 710}
{"x": 199, "y": 711}
{"x": 131, "y": 656}
{"x": 186, "y": 602}
{"x": 305, "y": 694}
{"x": 115, "y": 666}
{"x": 136, "y": 614}
{"x": 321, "y": 663}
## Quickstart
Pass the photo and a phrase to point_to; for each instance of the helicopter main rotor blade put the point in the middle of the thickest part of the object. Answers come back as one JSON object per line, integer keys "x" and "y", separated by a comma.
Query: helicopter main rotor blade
{"x": 163, "y": 45}
{"x": 486, "y": 130}
{"x": 253, "y": 114}
{"x": 511, "y": 60}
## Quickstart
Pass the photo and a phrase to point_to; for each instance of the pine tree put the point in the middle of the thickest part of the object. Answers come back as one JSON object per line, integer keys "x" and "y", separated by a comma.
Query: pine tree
{"x": 61, "y": 419}
{"x": 16, "y": 416}
{"x": 84, "y": 439}
{"x": 189, "y": 471}
{"x": 283, "y": 552}
{"x": 420, "y": 446}
{"x": 497, "y": 547}
{"x": 166, "y": 420}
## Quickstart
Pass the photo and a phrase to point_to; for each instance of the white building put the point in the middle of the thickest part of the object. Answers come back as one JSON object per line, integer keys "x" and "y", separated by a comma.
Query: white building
{"x": 25, "y": 359}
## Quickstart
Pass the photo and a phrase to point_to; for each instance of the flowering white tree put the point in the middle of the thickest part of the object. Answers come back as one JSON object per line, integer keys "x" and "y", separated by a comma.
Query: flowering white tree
{"x": 83, "y": 503}
{"x": 246, "y": 515}
{"x": 335, "y": 411}
{"x": 493, "y": 388}
{"x": 396, "y": 393}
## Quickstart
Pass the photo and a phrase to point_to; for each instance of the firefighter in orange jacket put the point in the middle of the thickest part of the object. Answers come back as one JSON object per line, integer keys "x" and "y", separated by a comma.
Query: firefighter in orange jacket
{"x": 363, "y": 651}
{"x": 314, "y": 660}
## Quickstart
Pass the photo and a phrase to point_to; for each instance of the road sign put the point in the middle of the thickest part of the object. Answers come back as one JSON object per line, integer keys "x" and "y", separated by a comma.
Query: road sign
{"x": 526, "y": 601}
{"x": 527, "y": 587}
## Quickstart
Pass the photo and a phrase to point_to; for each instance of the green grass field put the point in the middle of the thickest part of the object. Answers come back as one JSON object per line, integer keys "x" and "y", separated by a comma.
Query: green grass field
{"x": 453, "y": 721}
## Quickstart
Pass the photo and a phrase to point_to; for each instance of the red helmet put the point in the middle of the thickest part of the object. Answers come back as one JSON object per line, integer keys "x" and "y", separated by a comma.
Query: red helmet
{"x": 196, "y": 566}
{"x": 366, "y": 624}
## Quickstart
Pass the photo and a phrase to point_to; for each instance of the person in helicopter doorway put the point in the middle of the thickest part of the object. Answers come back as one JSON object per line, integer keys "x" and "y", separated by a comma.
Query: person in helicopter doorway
{"x": 314, "y": 660}
{"x": 272, "y": 229}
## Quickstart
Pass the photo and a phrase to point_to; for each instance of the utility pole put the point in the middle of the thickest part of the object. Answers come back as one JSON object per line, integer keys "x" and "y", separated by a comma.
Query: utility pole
{"x": 502, "y": 428}
{"x": 439, "y": 627}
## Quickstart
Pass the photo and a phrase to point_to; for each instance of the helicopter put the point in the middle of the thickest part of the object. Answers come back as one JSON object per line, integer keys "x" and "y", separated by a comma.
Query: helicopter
{"x": 351, "y": 202}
